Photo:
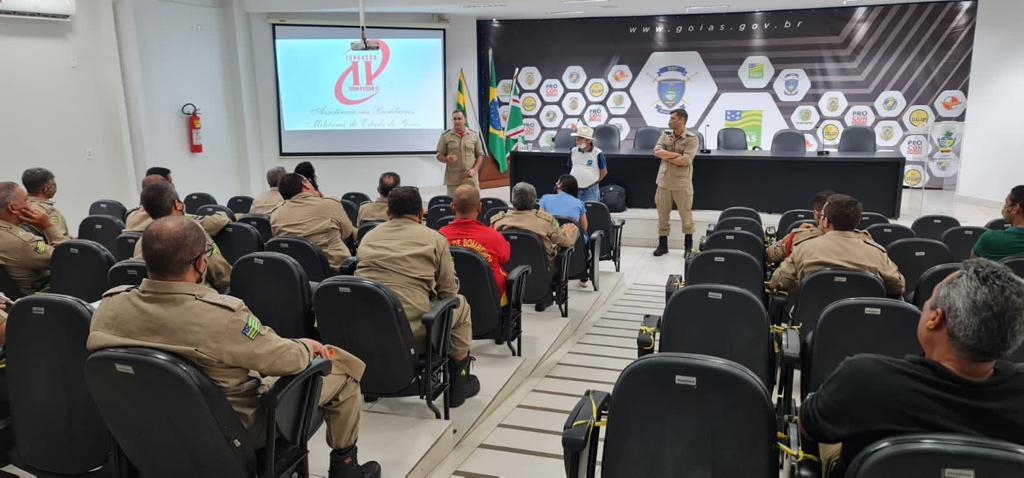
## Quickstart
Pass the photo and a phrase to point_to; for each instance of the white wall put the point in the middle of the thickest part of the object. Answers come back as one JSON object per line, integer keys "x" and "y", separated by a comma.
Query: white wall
{"x": 61, "y": 93}
{"x": 992, "y": 156}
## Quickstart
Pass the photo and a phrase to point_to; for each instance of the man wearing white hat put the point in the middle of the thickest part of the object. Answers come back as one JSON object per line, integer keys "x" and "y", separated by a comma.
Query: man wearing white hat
{"x": 588, "y": 164}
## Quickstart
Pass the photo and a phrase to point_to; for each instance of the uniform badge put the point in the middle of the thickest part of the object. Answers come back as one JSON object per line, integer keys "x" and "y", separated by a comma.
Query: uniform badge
{"x": 55, "y": 219}
{"x": 40, "y": 247}
{"x": 252, "y": 327}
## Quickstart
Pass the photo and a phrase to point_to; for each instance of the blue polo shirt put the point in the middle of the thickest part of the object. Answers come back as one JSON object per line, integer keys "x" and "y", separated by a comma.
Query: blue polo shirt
{"x": 562, "y": 204}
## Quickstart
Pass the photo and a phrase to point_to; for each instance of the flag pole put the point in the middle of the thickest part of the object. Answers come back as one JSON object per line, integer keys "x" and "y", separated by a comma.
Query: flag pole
{"x": 479, "y": 127}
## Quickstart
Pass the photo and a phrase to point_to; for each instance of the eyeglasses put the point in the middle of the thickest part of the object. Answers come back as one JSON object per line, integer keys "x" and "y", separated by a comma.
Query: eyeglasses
{"x": 206, "y": 252}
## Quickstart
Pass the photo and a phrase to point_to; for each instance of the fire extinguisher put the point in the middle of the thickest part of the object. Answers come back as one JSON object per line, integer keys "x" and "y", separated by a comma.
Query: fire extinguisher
{"x": 195, "y": 137}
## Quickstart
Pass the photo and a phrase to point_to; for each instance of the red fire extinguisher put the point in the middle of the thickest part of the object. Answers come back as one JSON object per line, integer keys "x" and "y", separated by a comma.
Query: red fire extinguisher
{"x": 195, "y": 137}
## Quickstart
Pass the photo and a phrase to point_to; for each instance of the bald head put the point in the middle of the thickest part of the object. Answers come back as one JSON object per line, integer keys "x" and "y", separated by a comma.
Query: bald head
{"x": 152, "y": 179}
{"x": 467, "y": 202}
{"x": 170, "y": 245}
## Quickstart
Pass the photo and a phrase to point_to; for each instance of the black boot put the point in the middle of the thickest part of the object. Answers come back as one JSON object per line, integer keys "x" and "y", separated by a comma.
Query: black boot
{"x": 688, "y": 246}
{"x": 345, "y": 465}
{"x": 662, "y": 246}
{"x": 544, "y": 303}
{"x": 463, "y": 384}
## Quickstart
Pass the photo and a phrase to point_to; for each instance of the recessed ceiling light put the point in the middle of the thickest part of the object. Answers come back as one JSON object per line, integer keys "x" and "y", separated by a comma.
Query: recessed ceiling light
{"x": 584, "y": 1}
{"x": 704, "y": 8}
{"x": 847, "y": 2}
{"x": 565, "y": 13}
{"x": 485, "y": 5}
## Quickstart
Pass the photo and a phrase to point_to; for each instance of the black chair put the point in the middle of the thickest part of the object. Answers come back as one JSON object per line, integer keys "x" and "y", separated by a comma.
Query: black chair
{"x": 57, "y": 428}
{"x": 435, "y": 213}
{"x": 739, "y": 211}
{"x": 126, "y": 272}
{"x": 1015, "y": 263}
{"x": 797, "y": 224}
{"x": 240, "y": 204}
{"x": 357, "y": 198}
{"x": 868, "y": 219}
{"x": 674, "y": 415}
{"x": 822, "y": 288}
{"x": 606, "y": 137}
{"x": 931, "y": 278}
{"x": 729, "y": 267}
{"x": 101, "y": 229}
{"x": 490, "y": 319}
{"x": 366, "y": 228}
{"x": 916, "y": 255}
{"x": 600, "y": 219}
{"x": 732, "y": 139}
{"x": 885, "y": 234}
{"x": 194, "y": 200}
{"x": 490, "y": 204}
{"x": 7, "y": 285}
{"x": 646, "y": 137}
{"x": 564, "y": 138}
{"x": 700, "y": 139}
{"x": 444, "y": 221}
{"x": 997, "y": 224}
{"x": 584, "y": 259}
{"x": 238, "y": 239}
{"x": 740, "y": 224}
{"x": 441, "y": 199}
{"x": 351, "y": 210}
{"x": 262, "y": 224}
{"x": 494, "y": 211}
{"x": 933, "y": 226}
{"x": 211, "y": 209}
{"x": 79, "y": 268}
{"x": 125, "y": 245}
{"x": 935, "y": 455}
{"x": 188, "y": 427}
{"x": 274, "y": 286}
{"x": 789, "y": 141}
{"x": 528, "y": 250}
{"x": 858, "y": 139}
{"x": 312, "y": 259}
{"x": 791, "y": 216}
{"x": 960, "y": 240}
{"x": 365, "y": 318}
{"x": 739, "y": 241}
{"x": 108, "y": 207}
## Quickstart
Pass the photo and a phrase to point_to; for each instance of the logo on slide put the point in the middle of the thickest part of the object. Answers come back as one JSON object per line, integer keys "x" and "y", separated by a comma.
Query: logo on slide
{"x": 355, "y": 85}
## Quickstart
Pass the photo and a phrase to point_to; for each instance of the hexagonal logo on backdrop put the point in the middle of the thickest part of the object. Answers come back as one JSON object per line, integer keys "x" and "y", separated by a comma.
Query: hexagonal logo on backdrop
{"x": 595, "y": 115}
{"x": 890, "y": 104}
{"x": 757, "y": 114}
{"x": 530, "y": 102}
{"x": 888, "y": 133}
{"x": 504, "y": 91}
{"x": 830, "y": 131}
{"x": 551, "y": 116}
{"x": 596, "y": 90}
{"x": 573, "y": 103}
{"x": 622, "y": 125}
{"x": 914, "y": 175}
{"x": 531, "y": 129}
{"x": 551, "y": 90}
{"x": 918, "y": 118}
{"x": 832, "y": 104}
{"x": 529, "y": 78}
{"x": 671, "y": 80}
{"x": 574, "y": 77}
{"x": 619, "y": 76}
{"x": 792, "y": 85}
{"x": 950, "y": 104}
{"x": 805, "y": 117}
{"x": 618, "y": 103}
{"x": 946, "y": 136}
{"x": 571, "y": 123}
{"x": 810, "y": 142}
{"x": 756, "y": 72}
{"x": 916, "y": 147}
{"x": 859, "y": 115}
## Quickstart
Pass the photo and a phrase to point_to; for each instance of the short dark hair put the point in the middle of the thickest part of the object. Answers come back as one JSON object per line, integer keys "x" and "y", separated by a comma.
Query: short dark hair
{"x": 35, "y": 179}
{"x": 459, "y": 112}
{"x": 153, "y": 179}
{"x": 387, "y": 182}
{"x": 843, "y": 212}
{"x": 158, "y": 199}
{"x": 568, "y": 184}
{"x": 819, "y": 200}
{"x": 274, "y": 175}
{"x": 306, "y": 169}
{"x": 170, "y": 244}
{"x": 680, "y": 112}
{"x": 290, "y": 185}
{"x": 159, "y": 171}
{"x": 1017, "y": 195}
{"x": 404, "y": 201}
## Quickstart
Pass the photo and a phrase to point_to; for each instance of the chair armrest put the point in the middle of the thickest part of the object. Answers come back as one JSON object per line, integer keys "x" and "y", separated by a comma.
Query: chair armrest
{"x": 439, "y": 333}
{"x": 287, "y": 385}
{"x": 647, "y": 335}
{"x": 791, "y": 346}
{"x": 618, "y": 223}
{"x": 515, "y": 284}
{"x": 595, "y": 242}
{"x": 290, "y": 405}
{"x": 348, "y": 267}
{"x": 580, "y": 435}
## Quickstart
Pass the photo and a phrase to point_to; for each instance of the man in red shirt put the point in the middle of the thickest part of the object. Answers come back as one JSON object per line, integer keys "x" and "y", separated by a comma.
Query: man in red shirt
{"x": 466, "y": 231}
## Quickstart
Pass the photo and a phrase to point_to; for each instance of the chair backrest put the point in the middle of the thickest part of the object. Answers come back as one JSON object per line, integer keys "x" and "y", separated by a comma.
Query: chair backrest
{"x": 916, "y": 255}
{"x": 441, "y": 199}
{"x": 822, "y": 288}
{"x": 788, "y": 141}
{"x": 211, "y": 209}
{"x": 885, "y": 234}
{"x": 356, "y": 197}
{"x": 238, "y": 239}
{"x": 444, "y": 221}
{"x": 857, "y": 326}
{"x": 194, "y": 200}
{"x": 936, "y": 455}
{"x": 367, "y": 227}
{"x": 365, "y": 318}
{"x": 606, "y": 137}
{"x": 126, "y": 272}
{"x": 312, "y": 259}
{"x": 721, "y": 321}
{"x": 57, "y": 428}
{"x": 125, "y": 245}
{"x": 740, "y": 211}
{"x": 933, "y": 226}
{"x": 7, "y": 285}
{"x": 868, "y": 219}
{"x": 740, "y": 224}
{"x": 729, "y": 267}
{"x": 528, "y": 250}
{"x": 997, "y": 224}
{"x": 858, "y": 139}
{"x": 1016, "y": 264}
{"x": 101, "y": 229}
{"x": 274, "y": 286}
{"x": 351, "y": 210}
{"x": 732, "y": 139}
{"x": 960, "y": 240}
{"x": 791, "y": 216}
{"x": 700, "y": 139}
{"x": 564, "y": 138}
{"x": 108, "y": 207}
{"x": 689, "y": 415}
{"x": 476, "y": 284}
{"x": 797, "y": 224}
{"x": 240, "y": 204}
{"x": 600, "y": 219}
{"x": 487, "y": 205}
{"x": 578, "y": 260}
{"x": 646, "y": 137}
{"x": 739, "y": 241}
{"x": 931, "y": 278}
{"x": 79, "y": 268}
{"x": 262, "y": 224}
{"x": 435, "y": 213}
{"x": 180, "y": 401}
{"x": 487, "y": 215}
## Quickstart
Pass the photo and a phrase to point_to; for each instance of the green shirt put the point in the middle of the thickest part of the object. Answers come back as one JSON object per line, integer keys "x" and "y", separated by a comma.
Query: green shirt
{"x": 997, "y": 245}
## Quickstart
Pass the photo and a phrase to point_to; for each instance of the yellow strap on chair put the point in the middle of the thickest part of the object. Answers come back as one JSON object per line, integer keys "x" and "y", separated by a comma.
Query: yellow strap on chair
{"x": 591, "y": 422}
{"x": 799, "y": 454}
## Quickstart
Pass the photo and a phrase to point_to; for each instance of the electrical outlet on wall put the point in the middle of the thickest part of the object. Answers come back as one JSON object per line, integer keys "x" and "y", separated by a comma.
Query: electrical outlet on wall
{"x": 88, "y": 154}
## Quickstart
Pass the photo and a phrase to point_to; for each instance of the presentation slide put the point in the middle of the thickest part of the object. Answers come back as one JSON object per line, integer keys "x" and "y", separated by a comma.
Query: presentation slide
{"x": 333, "y": 100}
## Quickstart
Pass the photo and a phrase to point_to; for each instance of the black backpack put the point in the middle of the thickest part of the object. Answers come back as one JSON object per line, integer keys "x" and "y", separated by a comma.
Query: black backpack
{"x": 614, "y": 196}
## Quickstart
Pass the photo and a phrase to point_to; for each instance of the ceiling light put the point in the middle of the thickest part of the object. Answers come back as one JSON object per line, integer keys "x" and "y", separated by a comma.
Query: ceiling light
{"x": 485, "y": 5}
{"x": 565, "y": 13}
{"x": 704, "y": 8}
{"x": 847, "y": 2}
{"x": 584, "y": 1}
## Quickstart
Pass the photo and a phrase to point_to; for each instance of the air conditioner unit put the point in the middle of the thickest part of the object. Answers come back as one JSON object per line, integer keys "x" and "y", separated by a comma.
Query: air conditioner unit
{"x": 60, "y": 10}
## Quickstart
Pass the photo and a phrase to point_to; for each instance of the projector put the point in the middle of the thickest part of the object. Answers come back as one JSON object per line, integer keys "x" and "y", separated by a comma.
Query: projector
{"x": 365, "y": 45}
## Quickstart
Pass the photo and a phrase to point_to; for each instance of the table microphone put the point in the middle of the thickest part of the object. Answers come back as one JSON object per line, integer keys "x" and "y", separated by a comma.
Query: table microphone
{"x": 704, "y": 149}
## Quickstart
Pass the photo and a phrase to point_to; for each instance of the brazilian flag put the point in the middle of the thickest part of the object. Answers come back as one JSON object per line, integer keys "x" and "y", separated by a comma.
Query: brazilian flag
{"x": 460, "y": 94}
{"x": 495, "y": 132}
{"x": 747, "y": 120}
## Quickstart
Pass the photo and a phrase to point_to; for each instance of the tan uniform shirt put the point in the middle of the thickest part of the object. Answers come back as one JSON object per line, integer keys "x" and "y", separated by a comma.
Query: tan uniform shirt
{"x": 139, "y": 220}
{"x": 466, "y": 147}
{"x": 216, "y": 332}
{"x": 670, "y": 176}
{"x": 25, "y": 256}
{"x": 266, "y": 202}
{"x": 56, "y": 218}
{"x": 539, "y": 222}
{"x": 218, "y": 269}
{"x": 838, "y": 249}
{"x": 321, "y": 220}
{"x": 373, "y": 211}
{"x": 779, "y": 250}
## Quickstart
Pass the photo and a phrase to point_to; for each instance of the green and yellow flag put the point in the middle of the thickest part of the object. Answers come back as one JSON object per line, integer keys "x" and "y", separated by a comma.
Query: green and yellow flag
{"x": 495, "y": 132}
{"x": 460, "y": 94}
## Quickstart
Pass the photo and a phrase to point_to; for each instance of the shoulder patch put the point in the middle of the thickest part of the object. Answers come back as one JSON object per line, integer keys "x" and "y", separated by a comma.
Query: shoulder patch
{"x": 252, "y": 327}
{"x": 55, "y": 219}
{"x": 233, "y": 304}
{"x": 118, "y": 290}
{"x": 39, "y": 247}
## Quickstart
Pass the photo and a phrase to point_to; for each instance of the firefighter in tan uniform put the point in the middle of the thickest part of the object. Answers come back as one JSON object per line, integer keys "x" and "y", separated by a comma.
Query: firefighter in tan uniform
{"x": 676, "y": 148}
{"x": 460, "y": 150}
{"x": 416, "y": 263}
{"x": 220, "y": 335}
{"x": 779, "y": 250}
{"x": 378, "y": 209}
{"x": 41, "y": 185}
{"x": 271, "y": 198}
{"x": 305, "y": 214}
{"x": 25, "y": 257}
{"x": 841, "y": 246}
{"x": 137, "y": 219}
